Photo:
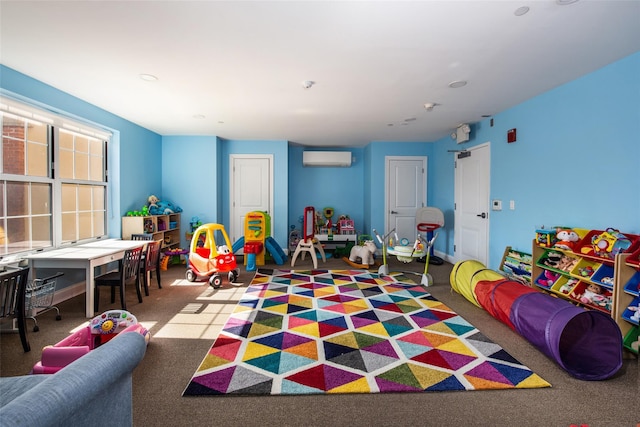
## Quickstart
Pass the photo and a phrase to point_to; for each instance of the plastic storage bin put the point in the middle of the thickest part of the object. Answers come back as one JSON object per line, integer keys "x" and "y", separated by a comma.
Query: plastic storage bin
{"x": 604, "y": 276}
{"x": 633, "y": 285}
{"x": 631, "y": 338}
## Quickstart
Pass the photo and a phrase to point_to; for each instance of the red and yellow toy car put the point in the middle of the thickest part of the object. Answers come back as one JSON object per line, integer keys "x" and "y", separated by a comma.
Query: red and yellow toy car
{"x": 207, "y": 260}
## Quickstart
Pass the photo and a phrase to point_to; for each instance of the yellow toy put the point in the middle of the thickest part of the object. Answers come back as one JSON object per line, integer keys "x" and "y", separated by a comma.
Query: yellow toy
{"x": 255, "y": 233}
{"x": 257, "y": 240}
{"x": 207, "y": 259}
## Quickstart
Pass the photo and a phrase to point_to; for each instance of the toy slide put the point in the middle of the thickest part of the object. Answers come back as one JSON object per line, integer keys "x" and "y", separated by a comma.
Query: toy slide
{"x": 237, "y": 245}
{"x": 586, "y": 343}
{"x": 270, "y": 244}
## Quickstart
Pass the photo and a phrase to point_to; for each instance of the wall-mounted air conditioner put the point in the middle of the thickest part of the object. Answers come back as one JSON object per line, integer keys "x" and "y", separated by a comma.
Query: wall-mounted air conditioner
{"x": 326, "y": 158}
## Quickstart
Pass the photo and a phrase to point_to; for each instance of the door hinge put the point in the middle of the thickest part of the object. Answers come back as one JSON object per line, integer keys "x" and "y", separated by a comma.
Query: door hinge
{"x": 454, "y": 248}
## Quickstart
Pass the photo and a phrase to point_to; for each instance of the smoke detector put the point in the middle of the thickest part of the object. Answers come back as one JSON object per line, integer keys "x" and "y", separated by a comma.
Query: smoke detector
{"x": 307, "y": 84}
{"x": 429, "y": 106}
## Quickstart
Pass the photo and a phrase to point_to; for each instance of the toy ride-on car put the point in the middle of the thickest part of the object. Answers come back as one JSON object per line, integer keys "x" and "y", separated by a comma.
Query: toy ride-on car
{"x": 208, "y": 260}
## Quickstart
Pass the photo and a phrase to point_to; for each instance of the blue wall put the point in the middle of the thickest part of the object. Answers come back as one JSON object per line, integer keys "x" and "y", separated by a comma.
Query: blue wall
{"x": 279, "y": 150}
{"x": 575, "y": 163}
{"x": 191, "y": 177}
{"x": 339, "y": 188}
{"x": 135, "y": 154}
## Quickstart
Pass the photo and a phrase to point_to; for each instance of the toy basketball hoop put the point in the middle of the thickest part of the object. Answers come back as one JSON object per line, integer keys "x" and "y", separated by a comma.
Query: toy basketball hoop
{"x": 428, "y": 220}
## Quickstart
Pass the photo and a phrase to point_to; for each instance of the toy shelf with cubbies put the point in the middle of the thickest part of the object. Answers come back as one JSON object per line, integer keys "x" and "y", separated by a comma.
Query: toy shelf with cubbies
{"x": 569, "y": 275}
{"x": 162, "y": 227}
{"x": 628, "y": 301}
{"x": 571, "y": 270}
{"x": 516, "y": 265}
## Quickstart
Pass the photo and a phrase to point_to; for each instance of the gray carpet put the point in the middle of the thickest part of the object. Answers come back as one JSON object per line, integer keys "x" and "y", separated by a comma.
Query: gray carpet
{"x": 184, "y": 319}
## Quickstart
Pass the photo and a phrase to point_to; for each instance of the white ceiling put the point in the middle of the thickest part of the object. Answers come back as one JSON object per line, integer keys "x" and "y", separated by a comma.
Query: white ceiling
{"x": 241, "y": 64}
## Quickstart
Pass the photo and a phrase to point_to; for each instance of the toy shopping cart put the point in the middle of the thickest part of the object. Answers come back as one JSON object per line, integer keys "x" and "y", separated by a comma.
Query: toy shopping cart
{"x": 39, "y": 296}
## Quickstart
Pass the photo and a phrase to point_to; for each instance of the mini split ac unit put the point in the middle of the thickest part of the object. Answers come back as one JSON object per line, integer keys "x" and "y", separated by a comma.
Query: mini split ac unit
{"x": 326, "y": 158}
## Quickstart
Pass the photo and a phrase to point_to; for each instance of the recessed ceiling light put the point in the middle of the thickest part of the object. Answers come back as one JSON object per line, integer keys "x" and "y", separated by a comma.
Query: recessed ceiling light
{"x": 457, "y": 83}
{"x": 429, "y": 106}
{"x": 307, "y": 84}
{"x": 198, "y": 116}
{"x": 521, "y": 10}
{"x": 566, "y": 2}
{"x": 148, "y": 77}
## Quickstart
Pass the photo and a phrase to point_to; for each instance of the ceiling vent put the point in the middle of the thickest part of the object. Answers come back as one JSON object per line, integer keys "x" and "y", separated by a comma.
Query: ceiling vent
{"x": 327, "y": 158}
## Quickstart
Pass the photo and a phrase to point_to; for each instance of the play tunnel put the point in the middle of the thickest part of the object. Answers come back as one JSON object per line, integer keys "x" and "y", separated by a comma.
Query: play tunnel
{"x": 586, "y": 343}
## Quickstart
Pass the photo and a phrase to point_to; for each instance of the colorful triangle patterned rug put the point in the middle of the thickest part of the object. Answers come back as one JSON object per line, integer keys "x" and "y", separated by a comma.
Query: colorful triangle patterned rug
{"x": 350, "y": 331}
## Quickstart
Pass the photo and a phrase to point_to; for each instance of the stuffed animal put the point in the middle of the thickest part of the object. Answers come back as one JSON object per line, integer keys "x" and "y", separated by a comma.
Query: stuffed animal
{"x": 568, "y": 286}
{"x": 161, "y": 207}
{"x": 363, "y": 252}
{"x": 547, "y": 279}
{"x": 567, "y": 239}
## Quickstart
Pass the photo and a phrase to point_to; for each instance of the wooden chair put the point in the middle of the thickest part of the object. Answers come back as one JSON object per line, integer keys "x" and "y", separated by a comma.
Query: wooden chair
{"x": 309, "y": 243}
{"x": 129, "y": 271}
{"x": 150, "y": 264}
{"x": 13, "y": 288}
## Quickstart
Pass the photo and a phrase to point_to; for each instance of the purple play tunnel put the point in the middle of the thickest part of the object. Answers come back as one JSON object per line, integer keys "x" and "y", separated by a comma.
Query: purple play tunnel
{"x": 586, "y": 343}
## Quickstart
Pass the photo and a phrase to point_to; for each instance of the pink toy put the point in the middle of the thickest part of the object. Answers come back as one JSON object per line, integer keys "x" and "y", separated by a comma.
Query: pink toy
{"x": 101, "y": 329}
{"x": 548, "y": 279}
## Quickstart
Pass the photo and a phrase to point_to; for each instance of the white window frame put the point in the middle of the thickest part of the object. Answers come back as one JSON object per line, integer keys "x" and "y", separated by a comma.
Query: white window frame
{"x": 56, "y": 122}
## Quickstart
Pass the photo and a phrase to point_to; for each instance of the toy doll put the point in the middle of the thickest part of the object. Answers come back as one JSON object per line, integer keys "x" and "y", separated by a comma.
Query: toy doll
{"x": 593, "y": 295}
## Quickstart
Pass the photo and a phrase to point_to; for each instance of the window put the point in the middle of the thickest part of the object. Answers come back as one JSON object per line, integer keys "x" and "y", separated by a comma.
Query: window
{"x": 53, "y": 184}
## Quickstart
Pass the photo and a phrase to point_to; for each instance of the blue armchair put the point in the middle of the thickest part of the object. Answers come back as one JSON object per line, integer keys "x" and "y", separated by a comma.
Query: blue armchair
{"x": 94, "y": 390}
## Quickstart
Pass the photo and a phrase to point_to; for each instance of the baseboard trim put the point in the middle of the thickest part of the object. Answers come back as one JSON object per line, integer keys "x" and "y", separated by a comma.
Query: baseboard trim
{"x": 69, "y": 292}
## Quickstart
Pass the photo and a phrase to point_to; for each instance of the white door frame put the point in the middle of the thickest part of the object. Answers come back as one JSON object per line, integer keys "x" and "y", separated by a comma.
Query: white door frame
{"x": 232, "y": 158}
{"x": 387, "y": 195}
{"x": 457, "y": 220}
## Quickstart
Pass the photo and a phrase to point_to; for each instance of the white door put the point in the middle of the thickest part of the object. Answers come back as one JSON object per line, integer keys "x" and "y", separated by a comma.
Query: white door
{"x": 471, "y": 228}
{"x": 405, "y": 193}
{"x": 251, "y": 178}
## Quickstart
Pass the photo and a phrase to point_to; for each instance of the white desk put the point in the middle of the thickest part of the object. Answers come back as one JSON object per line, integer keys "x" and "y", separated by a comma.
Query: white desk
{"x": 86, "y": 257}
